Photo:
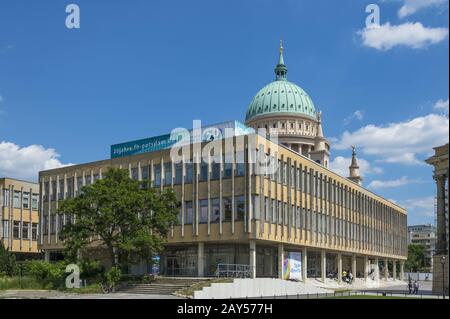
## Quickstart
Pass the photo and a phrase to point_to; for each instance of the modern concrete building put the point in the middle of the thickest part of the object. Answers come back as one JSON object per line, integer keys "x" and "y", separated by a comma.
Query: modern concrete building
{"x": 424, "y": 235}
{"x": 257, "y": 205}
{"x": 440, "y": 260}
{"x": 19, "y": 220}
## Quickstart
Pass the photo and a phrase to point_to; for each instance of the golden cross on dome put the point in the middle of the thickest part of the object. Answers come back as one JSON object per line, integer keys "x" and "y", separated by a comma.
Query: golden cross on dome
{"x": 281, "y": 46}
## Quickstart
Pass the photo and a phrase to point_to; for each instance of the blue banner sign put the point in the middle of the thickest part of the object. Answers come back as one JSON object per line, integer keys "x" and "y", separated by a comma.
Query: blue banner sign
{"x": 157, "y": 143}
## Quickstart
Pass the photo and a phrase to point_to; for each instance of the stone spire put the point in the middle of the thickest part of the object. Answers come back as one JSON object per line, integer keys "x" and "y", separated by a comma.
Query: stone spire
{"x": 354, "y": 168}
{"x": 321, "y": 153}
{"x": 281, "y": 69}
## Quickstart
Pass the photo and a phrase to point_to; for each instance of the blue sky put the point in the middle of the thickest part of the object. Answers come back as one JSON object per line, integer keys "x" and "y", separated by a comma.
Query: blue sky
{"x": 140, "y": 68}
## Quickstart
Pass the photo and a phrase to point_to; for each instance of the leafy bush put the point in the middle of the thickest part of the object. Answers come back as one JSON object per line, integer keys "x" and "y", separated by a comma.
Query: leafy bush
{"x": 112, "y": 276}
{"x": 8, "y": 265}
{"x": 19, "y": 283}
{"x": 90, "y": 269}
{"x": 50, "y": 275}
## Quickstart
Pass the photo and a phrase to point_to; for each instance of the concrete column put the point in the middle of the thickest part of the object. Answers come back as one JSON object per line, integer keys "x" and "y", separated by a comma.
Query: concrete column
{"x": 280, "y": 261}
{"x": 441, "y": 245}
{"x": 201, "y": 259}
{"x": 323, "y": 264}
{"x": 386, "y": 269}
{"x": 402, "y": 270}
{"x": 377, "y": 269}
{"x": 354, "y": 265}
{"x": 366, "y": 268}
{"x": 253, "y": 258}
{"x": 339, "y": 262}
{"x": 304, "y": 264}
{"x": 394, "y": 270}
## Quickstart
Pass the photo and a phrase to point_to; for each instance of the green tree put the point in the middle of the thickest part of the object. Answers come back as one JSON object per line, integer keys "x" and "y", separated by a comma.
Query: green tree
{"x": 121, "y": 215}
{"x": 416, "y": 257}
{"x": 8, "y": 265}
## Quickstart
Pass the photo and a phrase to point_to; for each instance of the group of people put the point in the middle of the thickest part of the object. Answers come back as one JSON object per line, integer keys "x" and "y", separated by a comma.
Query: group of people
{"x": 413, "y": 287}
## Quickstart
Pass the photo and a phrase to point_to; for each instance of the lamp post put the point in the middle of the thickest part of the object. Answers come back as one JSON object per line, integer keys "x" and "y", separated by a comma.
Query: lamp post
{"x": 443, "y": 275}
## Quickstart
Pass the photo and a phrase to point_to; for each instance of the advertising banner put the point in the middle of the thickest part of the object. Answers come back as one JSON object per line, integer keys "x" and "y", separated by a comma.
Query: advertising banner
{"x": 292, "y": 266}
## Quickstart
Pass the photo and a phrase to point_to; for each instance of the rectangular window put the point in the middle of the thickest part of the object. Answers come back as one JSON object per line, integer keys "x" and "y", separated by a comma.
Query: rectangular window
{"x": 70, "y": 187}
{"x": 227, "y": 170}
{"x": 5, "y": 229}
{"x": 189, "y": 173}
{"x": 227, "y": 209}
{"x": 46, "y": 191}
{"x": 215, "y": 171}
{"x": 88, "y": 179}
{"x": 135, "y": 173}
{"x": 239, "y": 203}
{"x": 26, "y": 200}
{"x": 157, "y": 175}
{"x": 53, "y": 224}
{"x": 25, "y": 230}
{"x": 178, "y": 173}
{"x": 16, "y": 199}
{"x": 54, "y": 191}
{"x": 240, "y": 163}
{"x": 203, "y": 218}
{"x": 96, "y": 177}
{"x": 215, "y": 210}
{"x": 167, "y": 174}
{"x": 16, "y": 230}
{"x": 5, "y": 198}
{"x": 61, "y": 190}
{"x": 144, "y": 173}
{"x": 203, "y": 172}
{"x": 34, "y": 231}
{"x": 188, "y": 217}
{"x": 45, "y": 222}
{"x": 79, "y": 184}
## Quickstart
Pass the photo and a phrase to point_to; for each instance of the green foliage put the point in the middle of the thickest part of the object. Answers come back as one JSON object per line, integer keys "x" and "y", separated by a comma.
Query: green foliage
{"x": 112, "y": 276}
{"x": 8, "y": 265}
{"x": 50, "y": 275}
{"x": 131, "y": 221}
{"x": 90, "y": 269}
{"x": 416, "y": 258}
{"x": 19, "y": 282}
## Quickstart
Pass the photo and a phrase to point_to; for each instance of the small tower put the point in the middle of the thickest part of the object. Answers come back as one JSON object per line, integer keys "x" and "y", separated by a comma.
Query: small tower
{"x": 281, "y": 69}
{"x": 354, "y": 169}
{"x": 321, "y": 153}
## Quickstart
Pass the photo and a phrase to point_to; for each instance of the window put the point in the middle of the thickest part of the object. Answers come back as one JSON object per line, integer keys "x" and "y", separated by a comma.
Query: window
{"x": 53, "y": 224}
{"x": 188, "y": 218}
{"x": 215, "y": 171}
{"x": 46, "y": 191}
{"x": 240, "y": 163}
{"x": 239, "y": 202}
{"x": 203, "y": 172}
{"x": 61, "y": 189}
{"x": 45, "y": 222}
{"x": 215, "y": 210}
{"x": 16, "y": 230}
{"x": 203, "y": 218}
{"x": 144, "y": 173}
{"x": 5, "y": 229}
{"x": 135, "y": 173}
{"x": 16, "y": 199}
{"x": 157, "y": 174}
{"x": 227, "y": 209}
{"x": 5, "y": 197}
{"x": 178, "y": 173}
{"x": 26, "y": 200}
{"x": 79, "y": 183}
{"x": 25, "y": 230}
{"x": 88, "y": 179}
{"x": 54, "y": 191}
{"x": 70, "y": 187}
{"x": 189, "y": 173}
{"x": 96, "y": 177}
{"x": 167, "y": 174}
{"x": 34, "y": 231}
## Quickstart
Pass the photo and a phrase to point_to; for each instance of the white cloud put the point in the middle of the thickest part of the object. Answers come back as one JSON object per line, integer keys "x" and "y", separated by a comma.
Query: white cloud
{"x": 26, "y": 162}
{"x": 419, "y": 207}
{"x": 377, "y": 184}
{"x": 413, "y": 35}
{"x": 359, "y": 115}
{"x": 406, "y": 142}
{"x": 340, "y": 166}
{"x": 412, "y": 6}
{"x": 441, "y": 105}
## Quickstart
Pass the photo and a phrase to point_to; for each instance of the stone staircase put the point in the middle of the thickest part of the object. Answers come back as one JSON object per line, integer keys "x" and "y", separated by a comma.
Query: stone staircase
{"x": 163, "y": 286}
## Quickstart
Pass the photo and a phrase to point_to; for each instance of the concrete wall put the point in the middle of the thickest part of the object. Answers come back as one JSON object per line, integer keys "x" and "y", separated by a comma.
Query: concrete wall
{"x": 241, "y": 288}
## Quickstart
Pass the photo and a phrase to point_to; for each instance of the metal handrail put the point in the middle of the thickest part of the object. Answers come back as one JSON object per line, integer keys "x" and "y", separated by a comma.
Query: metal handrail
{"x": 234, "y": 271}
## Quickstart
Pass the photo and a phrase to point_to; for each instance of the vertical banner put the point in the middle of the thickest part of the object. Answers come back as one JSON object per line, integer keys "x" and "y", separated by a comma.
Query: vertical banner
{"x": 292, "y": 266}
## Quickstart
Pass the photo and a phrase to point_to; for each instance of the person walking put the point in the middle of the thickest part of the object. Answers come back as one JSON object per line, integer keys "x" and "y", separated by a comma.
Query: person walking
{"x": 416, "y": 287}
{"x": 410, "y": 286}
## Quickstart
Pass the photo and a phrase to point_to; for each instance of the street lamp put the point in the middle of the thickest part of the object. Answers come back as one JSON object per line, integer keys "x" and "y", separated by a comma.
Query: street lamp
{"x": 443, "y": 275}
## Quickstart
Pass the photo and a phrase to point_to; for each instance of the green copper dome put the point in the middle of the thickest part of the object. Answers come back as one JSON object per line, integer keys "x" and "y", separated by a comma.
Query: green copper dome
{"x": 281, "y": 97}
